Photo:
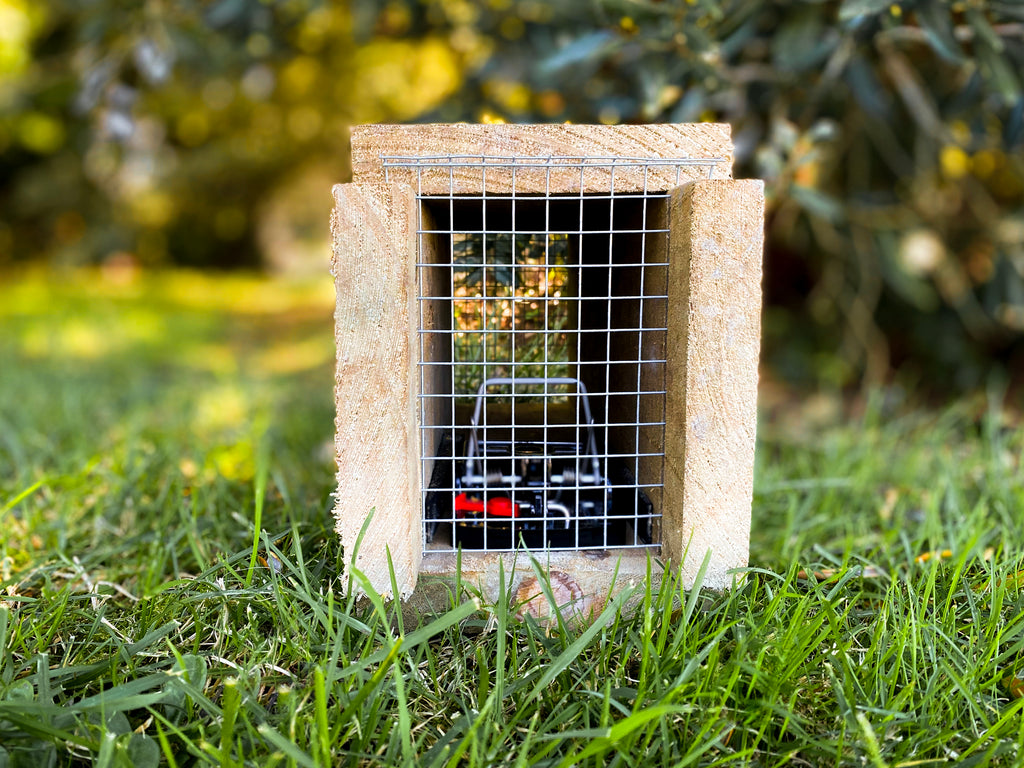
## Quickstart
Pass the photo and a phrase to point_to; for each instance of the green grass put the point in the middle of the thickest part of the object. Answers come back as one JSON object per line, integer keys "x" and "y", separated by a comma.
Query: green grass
{"x": 172, "y": 594}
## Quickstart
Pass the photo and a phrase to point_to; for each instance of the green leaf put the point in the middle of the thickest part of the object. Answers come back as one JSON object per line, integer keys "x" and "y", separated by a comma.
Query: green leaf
{"x": 225, "y": 12}
{"x": 36, "y": 726}
{"x": 21, "y": 690}
{"x": 193, "y": 668}
{"x": 570, "y": 654}
{"x": 105, "y": 758}
{"x": 1013, "y": 129}
{"x": 148, "y": 639}
{"x": 118, "y": 724}
{"x": 142, "y": 751}
{"x": 866, "y": 88}
{"x": 1001, "y": 75}
{"x": 803, "y": 43}
{"x": 583, "y": 49}
{"x": 817, "y": 203}
{"x": 8, "y": 506}
{"x": 290, "y": 750}
{"x": 413, "y": 639}
{"x": 604, "y": 739}
{"x": 851, "y": 9}
{"x": 984, "y": 30}
{"x": 934, "y": 19}
{"x": 130, "y": 695}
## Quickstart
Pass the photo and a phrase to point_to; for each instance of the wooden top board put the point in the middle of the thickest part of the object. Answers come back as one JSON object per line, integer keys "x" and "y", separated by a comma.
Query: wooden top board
{"x": 464, "y": 159}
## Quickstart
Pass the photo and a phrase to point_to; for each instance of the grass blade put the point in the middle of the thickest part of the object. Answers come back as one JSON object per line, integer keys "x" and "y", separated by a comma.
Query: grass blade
{"x": 570, "y": 654}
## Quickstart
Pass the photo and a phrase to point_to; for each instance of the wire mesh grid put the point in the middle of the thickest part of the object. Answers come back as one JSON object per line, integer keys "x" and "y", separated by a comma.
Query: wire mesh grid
{"x": 542, "y": 334}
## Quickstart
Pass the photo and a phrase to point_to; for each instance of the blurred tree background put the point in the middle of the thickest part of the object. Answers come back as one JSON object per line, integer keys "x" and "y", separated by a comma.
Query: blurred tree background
{"x": 890, "y": 135}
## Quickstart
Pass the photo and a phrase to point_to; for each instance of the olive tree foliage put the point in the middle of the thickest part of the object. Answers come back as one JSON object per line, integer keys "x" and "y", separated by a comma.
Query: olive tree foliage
{"x": 890, "y": 136}
{"x": 145, "y": 128}
{"x": 156, "y": 130}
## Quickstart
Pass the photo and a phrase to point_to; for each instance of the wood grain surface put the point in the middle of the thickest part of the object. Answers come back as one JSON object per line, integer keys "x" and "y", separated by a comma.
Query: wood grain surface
{"x": 691, "y": 140}
{"x": 374, "y": 257}
{"x": 714, "y": 340}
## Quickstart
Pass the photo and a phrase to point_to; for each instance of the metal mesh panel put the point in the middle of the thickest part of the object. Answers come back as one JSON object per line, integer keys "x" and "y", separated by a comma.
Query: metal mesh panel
{"x": 542, "y": 333}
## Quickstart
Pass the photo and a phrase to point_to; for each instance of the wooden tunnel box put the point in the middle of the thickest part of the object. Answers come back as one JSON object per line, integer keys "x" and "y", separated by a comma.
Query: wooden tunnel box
{"x": 615, "y": 269}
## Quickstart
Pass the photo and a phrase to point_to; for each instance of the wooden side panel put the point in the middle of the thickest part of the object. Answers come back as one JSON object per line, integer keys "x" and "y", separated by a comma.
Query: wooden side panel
{"x": 435, "y": 344}
{"x": 715, "y": 243}
{"x": 652, "y": 375}
{"x": 376, "y": 319}
{"x": 690, "y": 140}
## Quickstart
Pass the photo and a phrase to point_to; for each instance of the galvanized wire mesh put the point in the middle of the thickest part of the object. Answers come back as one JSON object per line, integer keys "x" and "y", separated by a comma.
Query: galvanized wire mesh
{"x": 542, "y": 334}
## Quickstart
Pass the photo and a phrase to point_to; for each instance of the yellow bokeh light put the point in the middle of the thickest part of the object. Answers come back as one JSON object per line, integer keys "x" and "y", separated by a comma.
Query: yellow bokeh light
{"x": 19, "y": 20}
{"x": 258, "y": 45}
{"x": 193, "y": 128}
{"x": 40, "y": 133}
{"x": 550, "y": 103}
{"x": 954, "y": 161}
{"x": 215, "y": 358}
{"x": 313, "y": 32}
{"x": 400, "y": 79}
{"x": 152, "y": 209}
{"x": 296, "y": 356}
{"x": 299, "y": 75}
{"x": 235, "y": 462}
{"x": 84, "y": 340}
{"x": 986, "y": 162}
{"x": 462, "y": 12}
{"x": 511, "y": 96}
{"x": 220, "y": 407}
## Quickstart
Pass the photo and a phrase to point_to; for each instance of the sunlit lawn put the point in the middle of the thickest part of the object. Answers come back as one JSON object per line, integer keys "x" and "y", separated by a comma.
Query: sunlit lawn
{"x": 170, "y": 588}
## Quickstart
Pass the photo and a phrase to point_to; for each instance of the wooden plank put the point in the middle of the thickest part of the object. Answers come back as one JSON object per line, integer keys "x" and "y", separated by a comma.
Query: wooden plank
{"x": 652, "y": 375}
{"x": 435, "y": 343}
{"x": 591, "y": 577}
{"x": 691, "y": 140}
{"x": 715, "y": 245}
{"x": 376, "y": 440}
